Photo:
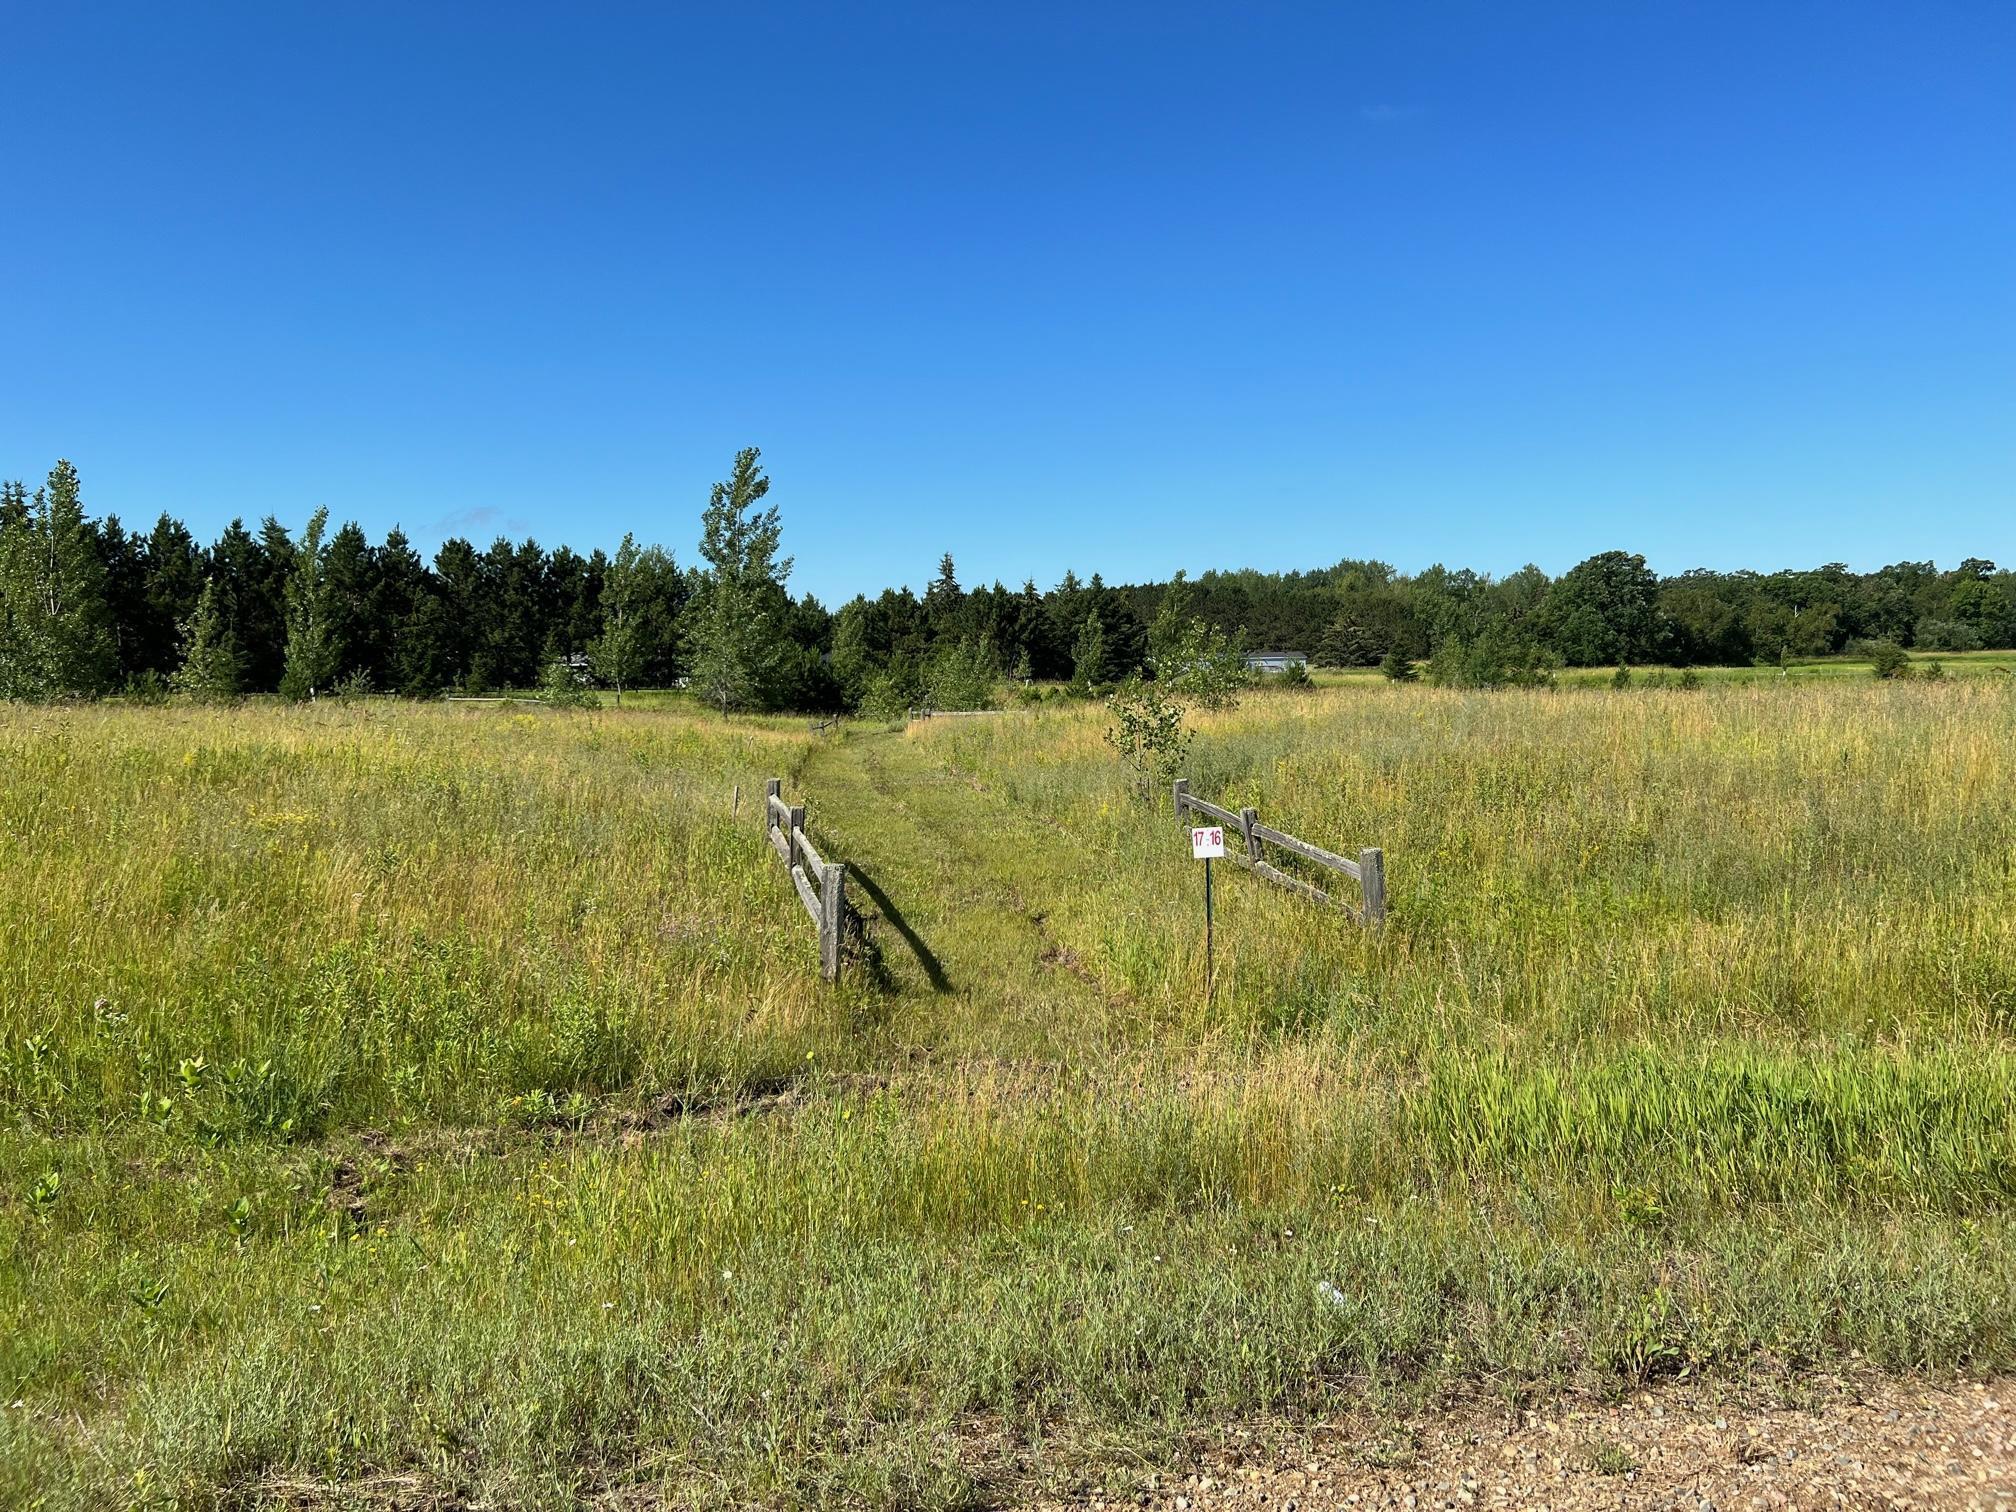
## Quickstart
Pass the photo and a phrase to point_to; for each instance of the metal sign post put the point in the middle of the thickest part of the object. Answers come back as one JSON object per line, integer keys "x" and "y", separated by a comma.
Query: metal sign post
{"x": 1205, "y": 843}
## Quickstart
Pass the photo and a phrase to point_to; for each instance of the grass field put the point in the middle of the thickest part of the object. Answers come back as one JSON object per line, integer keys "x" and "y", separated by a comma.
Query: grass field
{"x": 414, "y": 1105}
{"x": 1803, "y": 670}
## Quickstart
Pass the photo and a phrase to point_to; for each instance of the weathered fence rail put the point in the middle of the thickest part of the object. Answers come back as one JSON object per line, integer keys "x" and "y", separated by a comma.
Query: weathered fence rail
{"x": 1368, "y": 871}
{"x": 821, "y": 884}
{"x": 926, "y": 712}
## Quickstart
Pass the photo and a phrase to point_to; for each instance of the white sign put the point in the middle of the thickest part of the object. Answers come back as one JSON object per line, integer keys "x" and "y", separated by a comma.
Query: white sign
{"x": 1206, "y": 843}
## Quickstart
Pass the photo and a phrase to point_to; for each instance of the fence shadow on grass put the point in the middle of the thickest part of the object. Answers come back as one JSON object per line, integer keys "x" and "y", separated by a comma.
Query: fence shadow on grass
{"x": 926, "y": 958}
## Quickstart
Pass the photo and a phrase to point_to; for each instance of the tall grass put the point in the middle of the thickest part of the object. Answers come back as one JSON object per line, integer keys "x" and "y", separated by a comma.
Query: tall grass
{"x": 1792, "y": 863}
{"x": 443, "y": 1102}
{"x": 357, "y": 915}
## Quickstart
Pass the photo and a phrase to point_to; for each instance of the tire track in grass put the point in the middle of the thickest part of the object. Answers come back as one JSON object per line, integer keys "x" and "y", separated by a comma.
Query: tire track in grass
{"x": 943, "y": 875}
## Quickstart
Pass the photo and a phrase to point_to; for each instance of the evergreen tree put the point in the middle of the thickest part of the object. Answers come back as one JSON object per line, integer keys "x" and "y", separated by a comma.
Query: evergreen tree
{"x": 574, "y": 590}
{"x": 451, "y": 629}
{"x": 429, "y": 659}
{"x": 312, "y": 651}
{"x": 80, "y": 614}
{"x": 273, "y": 567}
{"x": 509, "y": 611}
{"x": 20, "y": 643}
{"x": 123, "y": 557}
{"x": 1064, "y": 619}
{"x": 241, "y": 569}
{"x": 1123, "y": 637}
{"x": 209, "y": 669}
{"x": 737, "y": 631}
{"x": 174, "y": 580}
{"x": 945, "y": 602}
{"x": 398, "y": 586}
{"x": 350, "y": 575}
{"x": 55, "y": 620}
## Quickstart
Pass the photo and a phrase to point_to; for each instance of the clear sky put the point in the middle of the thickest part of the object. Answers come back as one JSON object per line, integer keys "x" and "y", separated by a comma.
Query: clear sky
{"x": 1110, "y": 286}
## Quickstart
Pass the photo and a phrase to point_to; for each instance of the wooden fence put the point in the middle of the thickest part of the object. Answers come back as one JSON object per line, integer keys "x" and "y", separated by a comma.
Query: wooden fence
{"x": 927, "y": 712}
{"x": 1368, "y": 871}
{"x": 825, "y": 899}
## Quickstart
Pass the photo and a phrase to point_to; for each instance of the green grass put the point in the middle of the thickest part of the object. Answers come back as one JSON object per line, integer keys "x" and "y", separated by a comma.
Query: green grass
{"x": 1799, "y": 670}
{"x": 442, "y": 1103}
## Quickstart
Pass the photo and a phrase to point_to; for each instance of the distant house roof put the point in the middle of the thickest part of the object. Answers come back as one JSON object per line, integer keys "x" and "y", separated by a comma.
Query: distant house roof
{"x": 1254, "y": 657}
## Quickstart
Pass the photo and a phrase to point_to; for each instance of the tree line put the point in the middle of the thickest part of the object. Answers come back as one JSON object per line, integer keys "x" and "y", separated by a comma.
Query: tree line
{"x": 88, "y": 607}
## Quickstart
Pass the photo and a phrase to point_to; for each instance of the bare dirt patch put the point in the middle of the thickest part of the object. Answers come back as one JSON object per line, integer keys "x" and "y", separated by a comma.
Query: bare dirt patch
{"x": 1856, "y": 1445}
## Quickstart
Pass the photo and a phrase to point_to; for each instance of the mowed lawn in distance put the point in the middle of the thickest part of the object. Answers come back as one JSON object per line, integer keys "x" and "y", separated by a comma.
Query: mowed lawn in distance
{"x": 422, "y": 1102}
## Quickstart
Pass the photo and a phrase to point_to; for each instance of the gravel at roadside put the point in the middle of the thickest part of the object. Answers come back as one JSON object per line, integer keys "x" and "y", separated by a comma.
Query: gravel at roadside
{"x": 1867, "y": 1445}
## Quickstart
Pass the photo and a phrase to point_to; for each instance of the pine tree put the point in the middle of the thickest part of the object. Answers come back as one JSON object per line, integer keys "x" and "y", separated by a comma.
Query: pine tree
{"x": 209, "y": 668}
{"x": 73, "y": 587}
{"x": 272, "y": 570}
{"x": 311, "y": 648}
{"x": 350, "y": 573}
{"x": 21, "y": 657}
{"x": 737, "y": 630}
{"x": 123, "y": 556}
{"x": 509, "y": 611}
{"x": 944, "y": 602}
{"x": 55, "y": 619}
{"x": 239, "y": 567}
{"x": 396, "y": 590}
{"x": 573, "y": 589}
{"x": 172, "y": 581}
{"x": 428, "y": 660}
{"x": 448, "y": 617}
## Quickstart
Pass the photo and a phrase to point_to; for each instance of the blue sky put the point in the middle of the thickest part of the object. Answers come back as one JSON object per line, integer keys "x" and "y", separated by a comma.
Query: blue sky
{"x": 1107, "y": 286}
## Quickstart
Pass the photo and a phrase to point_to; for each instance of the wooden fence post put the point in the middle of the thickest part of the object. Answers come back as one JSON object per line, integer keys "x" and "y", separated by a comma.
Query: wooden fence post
{"x": 832, "y": 918}
{"x": 772, "y": 788}
{"x": 797, "y": 830}
{"x": 1182, "y": 792}
{"x": 1248, "y": 817}
{"x": 1372, "y": 875}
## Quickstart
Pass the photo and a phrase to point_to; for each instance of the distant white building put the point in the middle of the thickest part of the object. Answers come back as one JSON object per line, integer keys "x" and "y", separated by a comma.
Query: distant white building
{"x": 1275, "y": 661}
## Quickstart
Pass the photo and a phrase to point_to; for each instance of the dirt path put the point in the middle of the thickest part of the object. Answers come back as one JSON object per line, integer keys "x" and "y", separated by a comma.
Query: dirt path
{"x": 1877, "y": 1444}
{"x": 943, "y": 873}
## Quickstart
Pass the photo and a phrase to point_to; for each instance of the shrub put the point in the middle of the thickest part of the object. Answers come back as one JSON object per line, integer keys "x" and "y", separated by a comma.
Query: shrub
{"x": 1147, "y": 730}
{"x": 560, "y": 688}
{"x": 962, "y": 676}
{"x": 1887, "y": 659}
{"x": 147, "y": 687}
{"x": 1502, "y": 656}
